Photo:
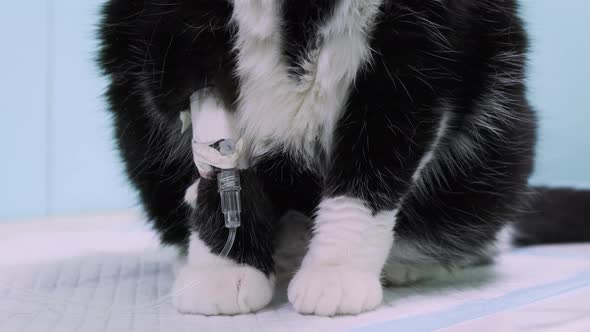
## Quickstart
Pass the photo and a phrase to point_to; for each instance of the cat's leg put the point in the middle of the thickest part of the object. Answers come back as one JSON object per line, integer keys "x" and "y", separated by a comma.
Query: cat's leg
{"x": 242, "y": 282}
{"x": 340, "y": 274}
{"x": 459, "y": 210}
{"x": 372, "y": 165}
{"x": 438, "y": 236}
{"x": 407, "y": 265}
{"x": 412, "y": 261}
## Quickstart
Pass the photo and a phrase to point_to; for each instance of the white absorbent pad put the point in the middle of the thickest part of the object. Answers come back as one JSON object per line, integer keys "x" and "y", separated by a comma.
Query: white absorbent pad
{"x": 108, "y": 274}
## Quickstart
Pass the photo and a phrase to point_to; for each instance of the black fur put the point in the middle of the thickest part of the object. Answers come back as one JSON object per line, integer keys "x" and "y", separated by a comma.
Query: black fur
{"x": 254, "y": 242}
{"x": 557, "y": 215}
{"x": 467, "y": 56}
{"x": 157, "y": 54}
{"x": 301, "y": 20}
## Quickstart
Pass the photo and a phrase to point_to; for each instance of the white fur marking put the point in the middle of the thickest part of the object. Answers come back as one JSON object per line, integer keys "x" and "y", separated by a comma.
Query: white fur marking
{"x": 341, "y": 272}
{"x": 274, "y": 110}
{"x": 505, "y": 239}
{"x": 191, "y": 194}
{"x": 211, "y": 285}
{"x": 427, "y": 158}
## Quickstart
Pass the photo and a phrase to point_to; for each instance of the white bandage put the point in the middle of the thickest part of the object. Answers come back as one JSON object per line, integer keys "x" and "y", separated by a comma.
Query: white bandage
{"x": 211, "y": 123}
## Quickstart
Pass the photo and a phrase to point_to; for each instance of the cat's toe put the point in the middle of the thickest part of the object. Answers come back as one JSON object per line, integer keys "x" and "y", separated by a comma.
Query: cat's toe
{"x": 330, "y": 291}
{"x": 225, "y": 290}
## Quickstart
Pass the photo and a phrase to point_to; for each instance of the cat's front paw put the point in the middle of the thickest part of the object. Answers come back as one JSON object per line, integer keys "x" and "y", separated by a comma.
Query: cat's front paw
{"x": 223, "y": 290}
{"x": 329, "y": 291}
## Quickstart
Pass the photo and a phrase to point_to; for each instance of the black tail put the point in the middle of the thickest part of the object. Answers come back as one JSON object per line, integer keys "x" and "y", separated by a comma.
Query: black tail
{"x": 556, "y": 216}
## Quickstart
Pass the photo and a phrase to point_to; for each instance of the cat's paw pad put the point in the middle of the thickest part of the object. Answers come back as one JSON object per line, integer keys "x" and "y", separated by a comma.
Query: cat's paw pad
{"x": 225, "y": 290}
{"x": 329, "y": 291}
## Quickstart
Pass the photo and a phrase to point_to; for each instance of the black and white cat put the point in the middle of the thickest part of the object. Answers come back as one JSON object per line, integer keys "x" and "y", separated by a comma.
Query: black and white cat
{"x": 401, "y": 127}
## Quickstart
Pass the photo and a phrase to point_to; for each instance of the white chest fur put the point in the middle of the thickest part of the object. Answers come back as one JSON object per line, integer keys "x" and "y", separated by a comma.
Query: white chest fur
{"x": 276, "y": 112}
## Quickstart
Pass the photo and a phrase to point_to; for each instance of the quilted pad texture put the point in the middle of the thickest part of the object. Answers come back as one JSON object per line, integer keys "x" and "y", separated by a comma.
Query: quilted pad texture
{"x": 107, "y": 273}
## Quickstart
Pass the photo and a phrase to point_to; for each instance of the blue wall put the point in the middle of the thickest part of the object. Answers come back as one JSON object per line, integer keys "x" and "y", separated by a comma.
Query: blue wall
{"x": 55, "y": 137}
{"x": 58, "y": 155}
{"x": 559, "y": 88}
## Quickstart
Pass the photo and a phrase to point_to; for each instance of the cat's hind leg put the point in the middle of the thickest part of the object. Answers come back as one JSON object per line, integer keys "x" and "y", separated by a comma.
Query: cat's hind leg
{"x": 409, "y": 262}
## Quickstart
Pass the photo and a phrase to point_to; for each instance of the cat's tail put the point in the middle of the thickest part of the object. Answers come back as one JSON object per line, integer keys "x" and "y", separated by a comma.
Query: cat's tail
{"x": 556, "y": 215}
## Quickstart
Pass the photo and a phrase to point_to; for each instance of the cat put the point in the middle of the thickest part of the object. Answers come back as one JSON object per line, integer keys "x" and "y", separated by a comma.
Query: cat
{"x": 401, "y": 128}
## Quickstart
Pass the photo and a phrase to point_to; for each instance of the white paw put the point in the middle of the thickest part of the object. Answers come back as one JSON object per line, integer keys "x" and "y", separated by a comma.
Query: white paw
{"x": 329, "y": 291}
{"x": 221, "y": 290}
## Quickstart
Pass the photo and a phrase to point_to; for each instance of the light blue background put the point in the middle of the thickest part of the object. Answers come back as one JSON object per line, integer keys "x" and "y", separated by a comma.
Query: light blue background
{"x": 57, "y": 150}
